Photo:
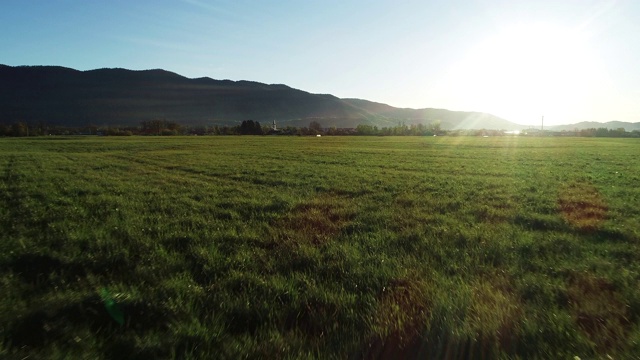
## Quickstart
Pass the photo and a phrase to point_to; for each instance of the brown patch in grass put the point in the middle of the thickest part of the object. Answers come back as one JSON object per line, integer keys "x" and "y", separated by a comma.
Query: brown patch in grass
{"x": 495, "y": 312}
{"x": 582, "y": 206}
{"x": 317, "y": 220}
{"x": 599, "y": 310}
{"x": 401, "y": 316}
{"x": 403, "y": 308}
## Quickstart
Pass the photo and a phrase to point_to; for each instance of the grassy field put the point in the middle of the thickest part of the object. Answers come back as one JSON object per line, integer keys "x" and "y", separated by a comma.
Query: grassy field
{"x": 332, "y": 247}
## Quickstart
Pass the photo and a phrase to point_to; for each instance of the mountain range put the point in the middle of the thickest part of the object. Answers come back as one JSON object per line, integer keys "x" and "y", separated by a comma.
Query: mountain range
{"x": 119, "y": 97}
{"x": 63, "y": 96}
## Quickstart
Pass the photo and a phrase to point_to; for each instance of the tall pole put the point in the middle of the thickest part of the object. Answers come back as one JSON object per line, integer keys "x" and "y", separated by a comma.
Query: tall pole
{"x": 542, "y": 125}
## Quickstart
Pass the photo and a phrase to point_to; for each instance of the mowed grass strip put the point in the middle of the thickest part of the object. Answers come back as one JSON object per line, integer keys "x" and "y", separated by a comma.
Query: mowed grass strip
{"x": 332, "y": 247}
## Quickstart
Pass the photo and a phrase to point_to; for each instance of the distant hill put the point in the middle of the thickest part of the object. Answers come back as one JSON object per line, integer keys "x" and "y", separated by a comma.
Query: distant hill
{"x": 592, "y": 124}
{"x": 449, "y": 119}
{"x": 119, "y": 97}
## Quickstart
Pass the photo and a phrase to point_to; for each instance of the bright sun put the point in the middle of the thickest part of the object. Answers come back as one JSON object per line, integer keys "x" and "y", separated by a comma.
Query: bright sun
{"x": 525, "y": 72}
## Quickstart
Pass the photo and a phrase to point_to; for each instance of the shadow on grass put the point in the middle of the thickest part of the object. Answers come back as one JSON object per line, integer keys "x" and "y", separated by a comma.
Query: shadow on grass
{"x": 599, "y": 310}
{"x": 38, "y": 269}
{"x": 537, "y": 222}
{"x": 44, "y": 327}
{"x": 429, "y": 346}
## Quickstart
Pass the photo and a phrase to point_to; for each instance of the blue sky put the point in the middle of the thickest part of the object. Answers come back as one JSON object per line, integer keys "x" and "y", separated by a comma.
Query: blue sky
{"x": 569, "y": 60}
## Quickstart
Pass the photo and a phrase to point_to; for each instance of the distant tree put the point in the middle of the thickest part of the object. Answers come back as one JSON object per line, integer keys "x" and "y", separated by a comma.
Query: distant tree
{"x": 436, "y": 127}
{"x": 619, "y": 132}
{"x": 315, "y": 128}
{"x": 5, "y": 130}
{"x": 153, "y": 127}
{"x": 302, "y": 131}
{"x": 19, "y": 129}
{"x": 364, "y": 129}
{"x": 250, "y": 127}
{"x": 231, "y": 130}
{"x": 38, "y": 129}
{"x": 588, "y": 132}
{"x": 289, "y": 130}
{"x": 174, "y": 127}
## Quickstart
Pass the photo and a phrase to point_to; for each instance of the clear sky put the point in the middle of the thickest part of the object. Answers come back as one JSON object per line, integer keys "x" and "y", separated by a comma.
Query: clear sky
{"x": 569, "y": 60}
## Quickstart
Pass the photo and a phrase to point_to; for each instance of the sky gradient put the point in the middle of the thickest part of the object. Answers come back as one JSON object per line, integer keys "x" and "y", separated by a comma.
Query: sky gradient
{"x": 569, "y": 60}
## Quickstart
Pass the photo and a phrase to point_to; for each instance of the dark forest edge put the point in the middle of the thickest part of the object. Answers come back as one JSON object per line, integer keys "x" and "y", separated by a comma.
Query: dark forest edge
{"x": 250, "y": 127}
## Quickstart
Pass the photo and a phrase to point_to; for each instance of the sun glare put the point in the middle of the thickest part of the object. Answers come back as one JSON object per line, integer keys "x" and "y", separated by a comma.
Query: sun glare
{"x": 525, "y": 72}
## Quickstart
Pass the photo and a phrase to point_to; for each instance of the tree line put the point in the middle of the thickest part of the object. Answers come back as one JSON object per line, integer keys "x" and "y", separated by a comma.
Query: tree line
{"x": 251, "y": 127}
{"x": 605, "y": 132}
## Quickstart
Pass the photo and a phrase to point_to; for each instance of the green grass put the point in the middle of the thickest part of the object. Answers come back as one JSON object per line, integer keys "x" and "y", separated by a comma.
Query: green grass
{"x": 332, "y": 247}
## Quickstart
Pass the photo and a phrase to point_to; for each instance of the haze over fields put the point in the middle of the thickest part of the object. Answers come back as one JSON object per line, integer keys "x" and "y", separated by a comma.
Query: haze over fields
{"x": 518, "y": 60}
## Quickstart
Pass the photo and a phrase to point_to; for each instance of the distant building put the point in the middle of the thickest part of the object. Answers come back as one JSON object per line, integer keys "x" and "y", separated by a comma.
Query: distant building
{"x": 274, "y": 129}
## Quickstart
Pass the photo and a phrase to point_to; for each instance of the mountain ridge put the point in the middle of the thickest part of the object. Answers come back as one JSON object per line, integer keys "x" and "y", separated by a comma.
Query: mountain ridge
{"x": 64, "y": 96}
